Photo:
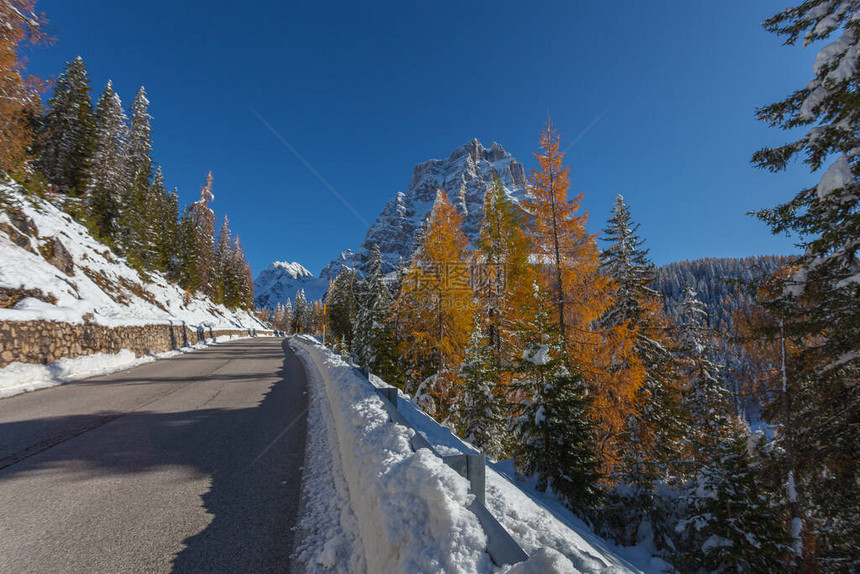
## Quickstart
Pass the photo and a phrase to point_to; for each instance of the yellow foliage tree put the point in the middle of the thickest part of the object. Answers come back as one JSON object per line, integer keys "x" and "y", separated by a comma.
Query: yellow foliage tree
{"x": 19, "y": 97}
{"x": 569, "y": 263}
{"x": 436, "y": 309}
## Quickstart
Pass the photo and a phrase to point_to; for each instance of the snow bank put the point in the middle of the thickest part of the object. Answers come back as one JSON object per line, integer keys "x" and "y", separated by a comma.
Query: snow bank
{"x": 103, "y": 288}
{"x": 541, "y": 525}
{"x": 18, "y": 378}
{"x": 410, "y": 507}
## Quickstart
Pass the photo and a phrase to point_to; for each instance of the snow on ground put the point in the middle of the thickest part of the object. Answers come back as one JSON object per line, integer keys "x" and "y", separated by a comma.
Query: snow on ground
{"x": 327, "y": 539}
{"x": 103, "y": 287}
{"x": 535, "y": 520}
{"x": 18, "y": 378}
{"x": 409, "y": 508}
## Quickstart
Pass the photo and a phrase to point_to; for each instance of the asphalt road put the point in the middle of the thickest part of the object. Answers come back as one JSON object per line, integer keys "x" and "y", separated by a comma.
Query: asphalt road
{"x": 188, "y": 464}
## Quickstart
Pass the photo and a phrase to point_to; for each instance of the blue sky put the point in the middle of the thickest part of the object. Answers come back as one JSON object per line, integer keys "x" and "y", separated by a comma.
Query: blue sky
{"x": 364, "y": 91}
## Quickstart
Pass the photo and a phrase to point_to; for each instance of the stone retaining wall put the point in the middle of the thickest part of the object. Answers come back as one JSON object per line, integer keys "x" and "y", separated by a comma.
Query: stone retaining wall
{"x": 47, "y": 341}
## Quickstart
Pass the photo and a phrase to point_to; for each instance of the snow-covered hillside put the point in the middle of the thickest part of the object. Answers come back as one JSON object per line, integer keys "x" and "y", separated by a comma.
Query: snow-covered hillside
{"x": 465, "y": 176}
{"x": 282, "y": 280}
{"x": 51, "y": 268}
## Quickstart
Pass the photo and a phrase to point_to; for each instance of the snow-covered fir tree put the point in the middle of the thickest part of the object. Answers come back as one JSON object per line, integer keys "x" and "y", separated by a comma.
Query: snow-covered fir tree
{"x": 201, "y": 220}
{"x": 731, "y": 522}
{"x": 108, "y": 173}
{"x": 652, "y": 433}
{"x": 138, "y": 234}
{"x": 342, "y": 308}
{"x": 818, "y": 303}
{"x": 300, "y": 313}
{"x": 373, "y": 330}
{"x": 483, "y": 413}
{"x": 554, "y": 433}
{"x": 69, "y": 131}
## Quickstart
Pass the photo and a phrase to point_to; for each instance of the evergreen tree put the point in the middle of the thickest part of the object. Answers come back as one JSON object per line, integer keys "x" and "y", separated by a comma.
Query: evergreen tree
{"x": 69, "y": 131}
{"x": 300, "y": 313}
{"x": 108, "y": 170}
{"x": 138, "y": 232}
{"x": 342, "y": 307}
{"x": 225, "y": 276}
{"x": 185, "y": 265}
{"x": 732, "y": 524}
{"x": 201, "y": 220}
{"x": 554, "y": 432}
{"x": 373, "y": 329}
{"x": 239, "y": 280}
{"x": 288, "y": 317}
{"x": 653, "y": 431}
{"x": 483, "y": 414}
{"x": 706, "y": 399}
{"x": 816, "y": 302}
{"x": 166, "y": 215}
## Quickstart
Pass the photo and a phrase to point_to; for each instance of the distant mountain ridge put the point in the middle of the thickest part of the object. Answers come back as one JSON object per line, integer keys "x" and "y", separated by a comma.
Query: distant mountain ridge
{"x": 282, "y": 280}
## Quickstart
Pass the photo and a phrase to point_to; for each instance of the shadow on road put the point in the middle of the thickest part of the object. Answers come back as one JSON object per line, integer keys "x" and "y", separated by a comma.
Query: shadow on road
{"x": 253, "y": 501}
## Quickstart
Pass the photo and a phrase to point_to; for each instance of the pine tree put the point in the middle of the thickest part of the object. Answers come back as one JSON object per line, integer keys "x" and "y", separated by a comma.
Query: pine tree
{"x": 201, "y": 219}
{"x": 653, "y": 431}
{"x": 137, "y": 230}
{"x": 706, "y": 400}
{"x": 373, "y": 329}
{"x": 342, "y": 307}
{"x": 69, "y": 131}
{"x": 732, "y": 523}
{"x": 300, "y": 313}
{"x": 288, "y": 317}
{"x": 108, "y": 170}
{"x": 580, "y": 294}
{"x": 483, "y": 414}
{"x": 435, "y": 310}
{"x": 554, "y": 430}
{"x": 166, "y": 216}
{"x": 816, "y": 303}
{"x": 225, "y": 278}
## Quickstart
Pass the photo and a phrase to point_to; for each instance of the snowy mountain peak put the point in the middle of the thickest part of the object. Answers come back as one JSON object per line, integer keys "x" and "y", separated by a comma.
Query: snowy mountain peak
{"x": 293, "y": 270}
{"x": 281, "y": 280}
{"x": 465, "y": 177}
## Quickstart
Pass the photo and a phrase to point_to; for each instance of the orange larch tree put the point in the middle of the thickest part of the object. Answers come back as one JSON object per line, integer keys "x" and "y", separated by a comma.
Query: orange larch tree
{"x": 436, "y": 310}
{"x": 569, "y": 263}
{"x": 19, "y": 97}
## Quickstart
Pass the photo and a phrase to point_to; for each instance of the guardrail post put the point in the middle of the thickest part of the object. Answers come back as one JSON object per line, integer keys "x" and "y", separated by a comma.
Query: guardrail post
{"x": 389, "y": 393}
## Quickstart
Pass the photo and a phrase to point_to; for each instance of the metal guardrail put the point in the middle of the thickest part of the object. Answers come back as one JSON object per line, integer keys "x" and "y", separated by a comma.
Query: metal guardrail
{"x": 501, "y": 547}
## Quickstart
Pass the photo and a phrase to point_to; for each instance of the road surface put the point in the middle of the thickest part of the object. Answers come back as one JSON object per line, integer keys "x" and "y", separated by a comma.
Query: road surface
{"x": 188, "y": 464}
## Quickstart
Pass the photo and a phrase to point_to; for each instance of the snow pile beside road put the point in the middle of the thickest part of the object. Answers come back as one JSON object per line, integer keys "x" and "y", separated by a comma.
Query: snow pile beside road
{"x": 534, "y": 519}
{"x": 18, "y": 378}
{"x": 410, "y": 507}
{"x": 101, "y": 287}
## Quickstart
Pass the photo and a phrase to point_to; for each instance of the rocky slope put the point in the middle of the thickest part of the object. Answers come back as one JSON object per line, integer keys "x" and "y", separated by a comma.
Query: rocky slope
{"x": 282, "y": 280}
{"x": 465, "y": 176}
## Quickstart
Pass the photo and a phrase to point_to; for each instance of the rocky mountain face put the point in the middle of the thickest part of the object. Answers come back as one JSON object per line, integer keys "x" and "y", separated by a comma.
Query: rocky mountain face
{"x": 282, "y": 280}
{"x": 465, "y": 177}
